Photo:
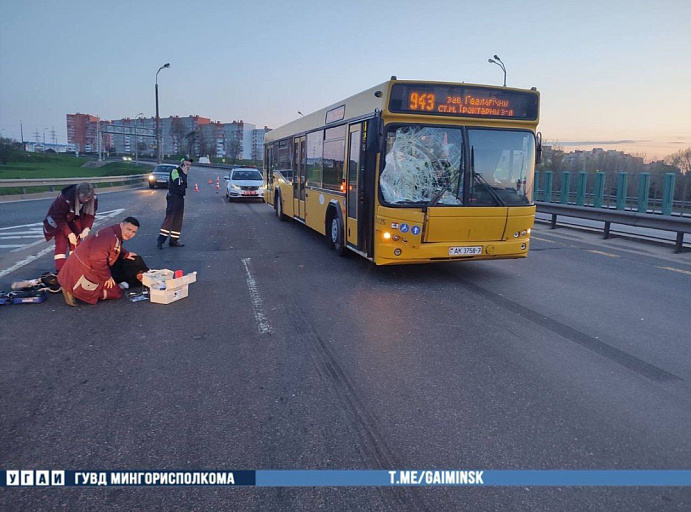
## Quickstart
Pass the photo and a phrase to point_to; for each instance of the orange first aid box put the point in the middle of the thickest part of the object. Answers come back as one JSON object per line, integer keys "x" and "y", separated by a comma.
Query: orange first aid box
{"x": 164, "y": 289}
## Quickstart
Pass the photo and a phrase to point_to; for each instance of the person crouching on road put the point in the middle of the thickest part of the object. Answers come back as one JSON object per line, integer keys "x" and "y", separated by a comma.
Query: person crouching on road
{"x": 175, "y": 205}
{"x": 70, "y": 219}
{"x": 86, "y": 274}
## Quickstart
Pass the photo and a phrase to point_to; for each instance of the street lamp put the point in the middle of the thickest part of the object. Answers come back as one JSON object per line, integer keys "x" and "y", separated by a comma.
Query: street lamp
{"x": 496, "y": 60}
{"x": 159, "y": 149}
{"x": 136, "y": 139}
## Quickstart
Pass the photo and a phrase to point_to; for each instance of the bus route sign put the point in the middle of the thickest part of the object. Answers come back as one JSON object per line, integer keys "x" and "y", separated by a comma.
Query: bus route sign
{"x": 463, "y": 101}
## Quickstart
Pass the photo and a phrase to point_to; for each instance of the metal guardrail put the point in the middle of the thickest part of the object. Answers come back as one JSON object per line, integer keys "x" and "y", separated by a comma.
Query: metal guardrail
{"x": 679, "y": 225}
{"x": 44, "y": 182}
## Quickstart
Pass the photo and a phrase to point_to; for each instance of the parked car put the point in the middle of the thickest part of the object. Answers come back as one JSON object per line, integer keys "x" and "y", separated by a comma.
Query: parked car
{"x": 159, "y": 176}
{"x": 244, "y": 183}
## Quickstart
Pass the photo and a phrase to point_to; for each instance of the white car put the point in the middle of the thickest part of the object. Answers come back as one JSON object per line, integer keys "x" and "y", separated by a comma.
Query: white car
{"x": 244, "y": 183}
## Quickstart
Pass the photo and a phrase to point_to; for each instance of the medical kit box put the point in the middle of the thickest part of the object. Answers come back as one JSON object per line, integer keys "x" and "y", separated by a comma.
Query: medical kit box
{"x": 164, "y": 288}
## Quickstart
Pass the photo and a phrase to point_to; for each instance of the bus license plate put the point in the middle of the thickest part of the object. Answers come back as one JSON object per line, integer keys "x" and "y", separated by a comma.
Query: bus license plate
{"x": 465, "y": 251}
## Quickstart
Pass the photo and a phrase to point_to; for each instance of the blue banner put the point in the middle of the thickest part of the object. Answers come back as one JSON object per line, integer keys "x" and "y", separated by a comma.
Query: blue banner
{"x": 344, "y": 478}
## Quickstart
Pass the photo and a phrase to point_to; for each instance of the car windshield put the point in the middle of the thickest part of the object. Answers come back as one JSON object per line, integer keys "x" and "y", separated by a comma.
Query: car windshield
{"x": 424, "y": 165}
{"x": 162, "y": 168}
{"x": 247, "y": 175}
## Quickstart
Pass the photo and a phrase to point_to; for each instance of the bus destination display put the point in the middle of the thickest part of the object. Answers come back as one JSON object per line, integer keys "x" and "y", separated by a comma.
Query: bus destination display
{"x": 464, "y": 101}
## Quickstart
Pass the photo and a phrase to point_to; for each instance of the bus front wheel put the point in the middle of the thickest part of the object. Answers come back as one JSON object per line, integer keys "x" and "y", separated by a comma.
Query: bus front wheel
{"x": 279, "y": 208}
{"x": 337, "y": 235}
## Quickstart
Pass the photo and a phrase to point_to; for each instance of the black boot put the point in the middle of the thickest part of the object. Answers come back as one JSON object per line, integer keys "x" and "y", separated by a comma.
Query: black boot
{"x": 175, "y": 243}
{"x": 160, "y": 241}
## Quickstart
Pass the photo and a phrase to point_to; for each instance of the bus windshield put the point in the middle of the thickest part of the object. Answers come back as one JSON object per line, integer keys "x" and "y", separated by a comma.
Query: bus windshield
{"x": 423, "y": 164}
{"x": 502, "y": 166}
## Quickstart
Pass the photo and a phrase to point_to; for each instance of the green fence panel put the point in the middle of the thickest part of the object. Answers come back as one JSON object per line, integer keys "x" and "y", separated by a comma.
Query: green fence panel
{"x": 580, "y": 191}
{"x": 599, "y": 192}
{"x": 565, "y": 187}
{"x": 622, "y": 182}
{"x": 643, "y": 192}
{"x": 668, "y": 193}
{"x": 547, "y": 193}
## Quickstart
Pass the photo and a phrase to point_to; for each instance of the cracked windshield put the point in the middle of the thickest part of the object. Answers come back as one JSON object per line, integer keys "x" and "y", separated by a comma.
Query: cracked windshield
{"x": 423, "y": 165}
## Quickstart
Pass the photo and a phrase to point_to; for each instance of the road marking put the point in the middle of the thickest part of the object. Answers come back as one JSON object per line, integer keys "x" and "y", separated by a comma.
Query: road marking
{"x": 533, "y": 237}
{"x": 602, "y": 253}
{"x": 99, "y": 217}
{"x": 25, "y": 261}
{"x": 688, "y": 273}
{"x": 259, "y": 315}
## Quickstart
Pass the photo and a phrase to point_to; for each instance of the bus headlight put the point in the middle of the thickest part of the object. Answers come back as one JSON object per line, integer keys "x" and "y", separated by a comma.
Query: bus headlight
{"x": 386, "y": 235}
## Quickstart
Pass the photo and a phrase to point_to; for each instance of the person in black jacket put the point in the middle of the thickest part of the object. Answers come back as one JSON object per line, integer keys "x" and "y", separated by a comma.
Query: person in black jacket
{"x": 175, "y": 208}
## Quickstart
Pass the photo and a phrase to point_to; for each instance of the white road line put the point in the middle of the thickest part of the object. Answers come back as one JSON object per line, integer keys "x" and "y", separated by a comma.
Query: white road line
{"x": 602, "y": 253}
{"x": 99, "y": 217}
{"x": 7, "y": 237}
{"x": 25, "y": 261}
{"x": 676, "y": 270}
{"x": 259, "y": 315}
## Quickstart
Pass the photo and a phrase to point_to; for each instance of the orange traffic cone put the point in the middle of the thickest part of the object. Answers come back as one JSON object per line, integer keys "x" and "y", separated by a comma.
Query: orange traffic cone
{"x": 211, "y": 181}
{"x": 218, "y": 187}
{"x": 196, "y": 188}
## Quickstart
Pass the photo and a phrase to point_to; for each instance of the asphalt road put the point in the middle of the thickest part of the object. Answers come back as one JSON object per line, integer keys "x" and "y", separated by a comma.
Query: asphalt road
{"x": 285, "y": 356}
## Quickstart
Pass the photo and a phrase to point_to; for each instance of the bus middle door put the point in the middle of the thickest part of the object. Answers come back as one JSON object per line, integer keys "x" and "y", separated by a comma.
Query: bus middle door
{"x": 353, "y": 193}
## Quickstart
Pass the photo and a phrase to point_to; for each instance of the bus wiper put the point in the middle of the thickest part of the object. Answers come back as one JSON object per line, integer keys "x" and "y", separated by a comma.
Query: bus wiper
{"x": 437, "y": 197}
{"x": 480, "y": 179}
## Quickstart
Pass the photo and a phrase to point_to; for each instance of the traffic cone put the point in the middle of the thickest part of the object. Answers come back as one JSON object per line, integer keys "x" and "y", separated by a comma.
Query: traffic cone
{"x": 211, "y": 181}
{"x": 196, "y": 188}
{"x": 218, "y": 186}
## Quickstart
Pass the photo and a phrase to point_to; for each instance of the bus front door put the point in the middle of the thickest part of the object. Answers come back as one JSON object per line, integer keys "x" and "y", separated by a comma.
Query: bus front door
{"x": 353, "y": 195}
{"x": 299, "y": 161}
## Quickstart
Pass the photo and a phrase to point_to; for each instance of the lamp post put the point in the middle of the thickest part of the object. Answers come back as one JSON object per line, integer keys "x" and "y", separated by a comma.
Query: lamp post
{"x": 159, "y": 149}
{"x": 496, "y": 60}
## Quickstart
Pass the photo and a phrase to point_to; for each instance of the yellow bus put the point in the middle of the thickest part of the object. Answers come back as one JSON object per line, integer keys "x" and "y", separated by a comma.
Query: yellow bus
{"x": 412, "y": 172}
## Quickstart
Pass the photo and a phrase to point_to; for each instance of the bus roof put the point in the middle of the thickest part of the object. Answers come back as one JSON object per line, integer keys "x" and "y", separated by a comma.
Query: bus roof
{"x": 359, "y": 105}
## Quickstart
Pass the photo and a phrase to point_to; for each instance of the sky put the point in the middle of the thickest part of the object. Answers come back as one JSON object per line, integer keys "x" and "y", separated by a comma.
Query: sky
{"x": 611, "y": 74}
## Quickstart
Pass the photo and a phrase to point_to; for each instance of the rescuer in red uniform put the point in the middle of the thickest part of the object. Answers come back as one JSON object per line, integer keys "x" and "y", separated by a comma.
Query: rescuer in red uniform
{"x": 70, "y": 219}
{"x": 86, "y": 274}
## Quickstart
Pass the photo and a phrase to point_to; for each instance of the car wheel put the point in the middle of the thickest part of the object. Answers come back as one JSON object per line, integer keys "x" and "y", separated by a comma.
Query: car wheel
{"x": 337, "y": 235}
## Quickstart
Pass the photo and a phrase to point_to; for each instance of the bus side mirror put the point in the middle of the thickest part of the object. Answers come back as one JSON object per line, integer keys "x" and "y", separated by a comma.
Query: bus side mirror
{"x": 538, "y": 148}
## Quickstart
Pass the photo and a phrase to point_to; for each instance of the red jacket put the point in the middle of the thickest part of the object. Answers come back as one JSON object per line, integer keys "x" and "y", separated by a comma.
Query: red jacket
{"x": 88, "y": 268}
{"x": 61, "y": 216}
